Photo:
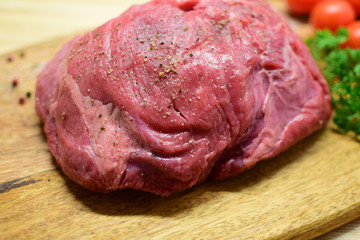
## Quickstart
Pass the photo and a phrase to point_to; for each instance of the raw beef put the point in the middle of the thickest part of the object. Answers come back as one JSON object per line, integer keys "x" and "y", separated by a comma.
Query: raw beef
{"x": 172, "y": 93}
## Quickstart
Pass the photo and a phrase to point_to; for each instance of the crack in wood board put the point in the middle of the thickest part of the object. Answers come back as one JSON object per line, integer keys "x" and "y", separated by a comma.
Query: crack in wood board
{"x": 20, "y": 182}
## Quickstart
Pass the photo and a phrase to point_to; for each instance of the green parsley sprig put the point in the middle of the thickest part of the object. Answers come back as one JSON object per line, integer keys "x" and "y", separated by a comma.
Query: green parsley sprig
{"x": 341, "y": 69}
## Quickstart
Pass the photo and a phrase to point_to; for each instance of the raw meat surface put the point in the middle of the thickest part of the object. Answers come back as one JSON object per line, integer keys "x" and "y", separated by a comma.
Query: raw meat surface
{"x": 172, "y": 93}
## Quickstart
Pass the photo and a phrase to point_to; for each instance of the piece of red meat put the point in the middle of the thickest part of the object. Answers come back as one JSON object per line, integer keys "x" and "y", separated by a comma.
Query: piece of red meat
{"x": 172, "y": 93}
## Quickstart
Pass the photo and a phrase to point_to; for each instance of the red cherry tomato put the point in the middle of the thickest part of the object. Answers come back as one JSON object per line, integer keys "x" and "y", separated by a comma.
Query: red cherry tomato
{"x": 356, "y": 5}
{"x": 301, "y": 7}
{"x": 332, "y": 14}
{"x": 354, "y": 35}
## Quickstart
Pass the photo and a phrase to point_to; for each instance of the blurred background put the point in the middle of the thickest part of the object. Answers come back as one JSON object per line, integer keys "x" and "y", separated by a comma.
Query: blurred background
{"x": 27, "y": 22}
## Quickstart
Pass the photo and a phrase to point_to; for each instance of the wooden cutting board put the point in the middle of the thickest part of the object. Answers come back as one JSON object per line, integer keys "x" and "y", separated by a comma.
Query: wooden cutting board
{"x": 304, "y": 192}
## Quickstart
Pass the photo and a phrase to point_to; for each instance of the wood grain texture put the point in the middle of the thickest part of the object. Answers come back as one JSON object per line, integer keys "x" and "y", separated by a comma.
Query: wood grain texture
{"x": 304, "y": 192}
{"x": 350, "y": 231}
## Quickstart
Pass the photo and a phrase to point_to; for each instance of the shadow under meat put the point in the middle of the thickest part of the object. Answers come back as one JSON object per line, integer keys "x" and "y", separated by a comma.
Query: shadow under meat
{"x": 265, "y": 169}
{"x": 133, "y": 202}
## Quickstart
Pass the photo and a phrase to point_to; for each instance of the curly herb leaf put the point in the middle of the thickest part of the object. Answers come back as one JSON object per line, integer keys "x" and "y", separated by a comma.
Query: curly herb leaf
{"x": 325, "y": 41}
{"x": 341, "y": 69}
